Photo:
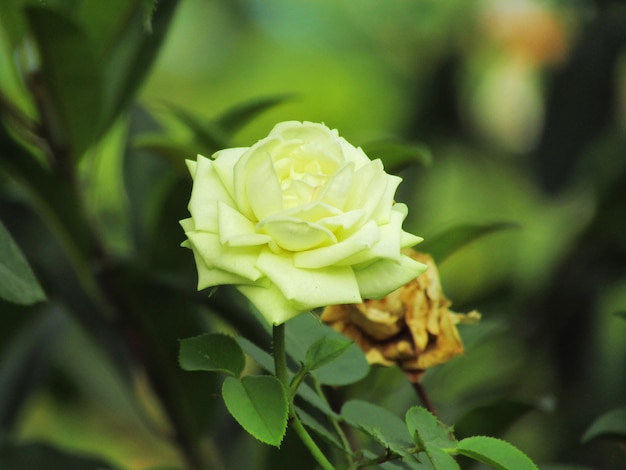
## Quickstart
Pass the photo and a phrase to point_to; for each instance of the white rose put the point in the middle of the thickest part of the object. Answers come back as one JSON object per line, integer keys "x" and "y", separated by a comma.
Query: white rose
{"x": 302, "y": 219}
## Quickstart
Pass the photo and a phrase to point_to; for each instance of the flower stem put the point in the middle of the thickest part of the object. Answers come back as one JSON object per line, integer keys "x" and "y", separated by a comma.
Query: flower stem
{"x": 280, "y": 364}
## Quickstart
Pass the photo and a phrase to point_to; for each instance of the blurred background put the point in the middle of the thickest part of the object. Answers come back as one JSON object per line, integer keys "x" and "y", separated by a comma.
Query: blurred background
{"x": 522, "y": 105}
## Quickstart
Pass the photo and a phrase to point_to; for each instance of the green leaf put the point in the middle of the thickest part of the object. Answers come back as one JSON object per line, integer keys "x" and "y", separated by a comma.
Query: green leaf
{"x": 208, "y": 135}
{"x": 440, "y": 460}
{"x": 259, "y": 404}
{"x": 377, "y": 422}
{"x": 302, "y": 331}
{"x": 397, "y": 155}
{"x": 166, "y": 147}
{"x": 426, "y": 429}
{"x": 238, "y": 116}
{"x": 324, "y": 351}
{"x": 212, "y": 352}
{"x": 72, "y": 84}
{"x": 491, "y": 419}
{"x": 444, "y": 244}
{"x": 496, "y": 453}
{"x": 17, "y": 281}
{"x": 611, "y": 423}
{"x": 621, "y": 314}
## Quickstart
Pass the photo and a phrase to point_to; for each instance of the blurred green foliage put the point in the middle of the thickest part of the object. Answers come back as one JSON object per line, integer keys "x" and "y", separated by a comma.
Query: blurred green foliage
{"x": 522, "y": 106}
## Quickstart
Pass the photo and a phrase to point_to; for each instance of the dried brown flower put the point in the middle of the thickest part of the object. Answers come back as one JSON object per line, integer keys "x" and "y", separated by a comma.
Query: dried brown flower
{"x": 411, "y": 327}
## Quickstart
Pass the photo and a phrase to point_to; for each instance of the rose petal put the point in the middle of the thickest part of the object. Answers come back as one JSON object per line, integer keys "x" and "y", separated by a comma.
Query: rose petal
{"x": 262, "y": 186}
{"x": 379, "y": 278}
{"x": 309, "y": 288}
{"x": 236, "y": 230}
{"x": 224, "y": 164}
{"x": 207, "y": 190}
{"x": 270, "y": 302}
{"x": 363, "y": 239}
{"x": 240, "y": 260}
{"x": 382, "y": 212}
{"x": 336, "y": 190}
{"x": 296, "y": 235}
{"x": 369, "y": 185}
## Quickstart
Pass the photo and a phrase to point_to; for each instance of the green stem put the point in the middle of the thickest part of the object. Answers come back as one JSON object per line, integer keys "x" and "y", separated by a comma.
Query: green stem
{"x": 335, "y": 424}
{"x": 280, "y": 364}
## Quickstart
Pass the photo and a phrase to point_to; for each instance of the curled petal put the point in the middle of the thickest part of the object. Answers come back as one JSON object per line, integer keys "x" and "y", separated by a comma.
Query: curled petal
{"x": 309, "y": 288}
{"x": 379, "y": 278}
{"x": 296, "y": 235}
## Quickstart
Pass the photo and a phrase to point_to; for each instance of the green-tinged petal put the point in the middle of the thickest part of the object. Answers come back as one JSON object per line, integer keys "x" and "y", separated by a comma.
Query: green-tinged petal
{"x": 211, "y": 276}
{"x": 336, "y": 190}
{"x": 270, "y": 302}
{"x": 361, "y": 240}
{"x": 296, "y": 235}
{"x": 408, "y": 240}
{"x": 369, "y": 186}
{"x": 382, "y": 213}
{"x": 314, "y": 212}
{"x": 262, "y": 186}
{"x": 344, "y": 224}
{"x": 236, "y": 230}
{"x": 224, "y": 164}
{"x": 354, "y": 154}
{"x": 239, "y": 260}
{"x": 378, "y": 279}
{"x": 206, "y": 192}
{"x": 310, "y": 288}
{"x": 187, "y": 225}
{"x": 387, "y": 247}
{"x": 191, "y": 166}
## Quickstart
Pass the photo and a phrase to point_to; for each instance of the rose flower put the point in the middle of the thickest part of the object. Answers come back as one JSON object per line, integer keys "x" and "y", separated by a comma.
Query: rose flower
{"x": 302, "y": 219}
{"x": 411, "y": 327}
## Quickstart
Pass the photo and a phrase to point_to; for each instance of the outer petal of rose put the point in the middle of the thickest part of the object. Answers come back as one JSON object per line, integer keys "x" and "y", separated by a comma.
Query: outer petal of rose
{"x": 382, "y": 213}
{"x": 212, "y": 276}
{"x": 379, "y": 278}
{"x": 237, "y": 230}
{"x": 240, "y": 260}
{"x": 310, "y": 288}
{"x": 207, "y": 190}
{"x": 224, "y": 163}
{"x": 331, "y": 255}
{"x": 296, "y": 235}
{"x": 270, "y": 302}
{"x": 354, "y": 154}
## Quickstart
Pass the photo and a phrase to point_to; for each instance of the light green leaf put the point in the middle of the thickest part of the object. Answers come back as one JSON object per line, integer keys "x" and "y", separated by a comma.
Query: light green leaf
{"x": 444, "y": 244}
{"x": 324, "y": 351}
{"x": 440, "y": 460}
{"x": 209, "y": 136}
{"x": 71, "y": 79}
{"x": 212, "y": 352}
{"x": 17, "y": 281}
{"x": 259, "y": 404}
{"x": 238, "y": 116}
{"x": 496, "y": 453}
{"x": 398, "y": 155}
{"x": 611, "y": 423}
{"x": 426, "y": 429}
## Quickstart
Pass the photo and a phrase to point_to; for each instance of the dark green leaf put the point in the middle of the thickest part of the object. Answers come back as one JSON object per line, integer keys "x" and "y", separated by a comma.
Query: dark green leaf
{"x": 312, "y": 423}
{"x": 621, "y": 314}
{"x": 496, "y": 453}
{"x": 611, "y": 423}
{"x": 71, "y": 85}
{"x": 17, "y": 281}
{"x": 491, "y": 419}
{"x": 212, "y": 352}
{"x": 444, "y": 244}
{"x": 302, "y": 331}
{"x": 259, "y": 404}
{"x": 377, "y": 422}
{"x": 209, "y": 136}
{"x": 397, "y": 155}
{"x": 131, "y": 54}
{"x": 324, "y": 351}
{"x": 43, "y": 456}
{"x": 426, "y": 429}
{"x": 238, "y": 116}
{"x": 164, "y": 146}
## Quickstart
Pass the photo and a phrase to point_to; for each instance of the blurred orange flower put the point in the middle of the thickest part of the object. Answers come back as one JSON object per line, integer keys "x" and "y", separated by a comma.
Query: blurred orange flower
{"x": 411, "y": 327}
